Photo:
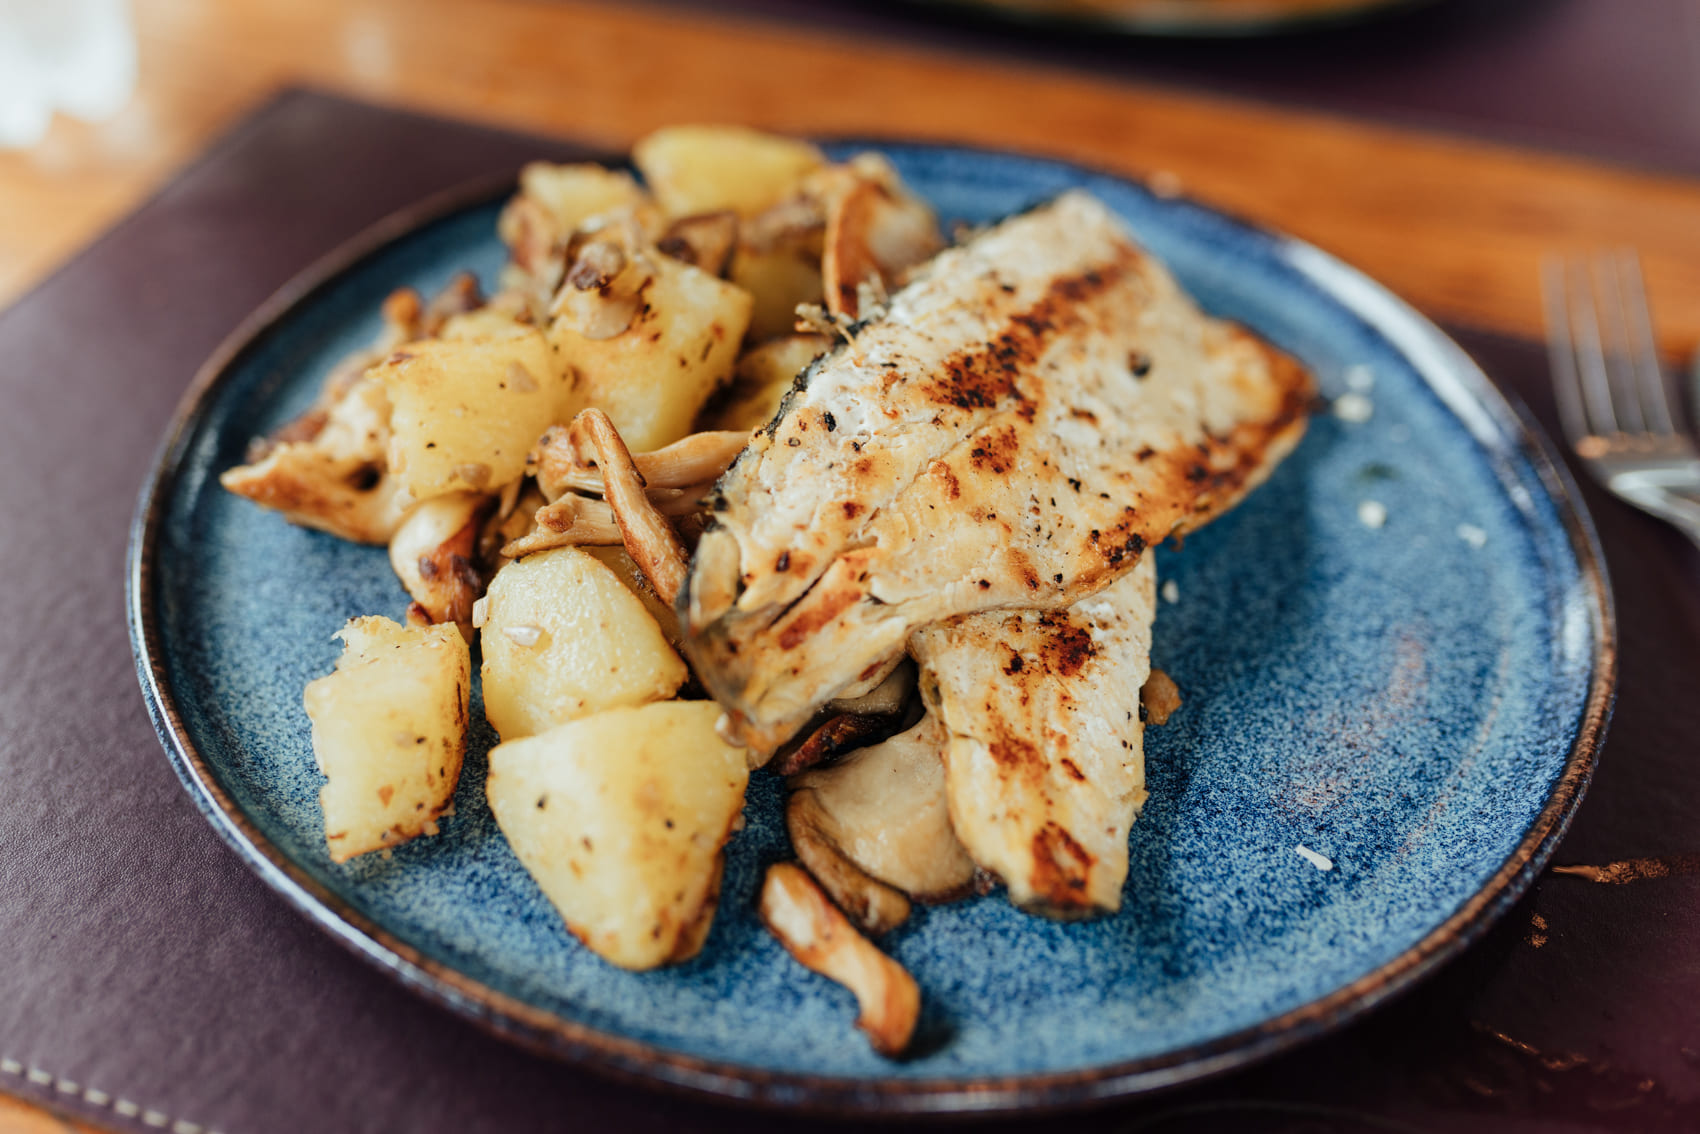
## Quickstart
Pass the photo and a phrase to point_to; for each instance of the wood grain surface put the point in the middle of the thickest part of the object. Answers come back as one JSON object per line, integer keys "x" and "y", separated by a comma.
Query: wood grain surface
{"x": 1456, "y": 226}
{"x": 20, "y": 1118}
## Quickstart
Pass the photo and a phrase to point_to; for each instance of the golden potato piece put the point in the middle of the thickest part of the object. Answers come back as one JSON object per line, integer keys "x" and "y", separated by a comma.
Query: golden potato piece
{"x": 555, "y": 201}
{"x": 329, "y": 468}
{"x": 573, "y": 194}
{"x": 651, "y": 338}
{"x": 563, "y": 638}
{"x": 779, "y": 276}
{"x": 389, "y": 732}
{"x": 336, "y": 478}
{"x": 620, "y": 817}
{"x": 467, "y": 411}
{"x": 702, "y": 169}
{"x": 614, "y": 558}
{"x": 813, "y": 931}
{"x": 488, "y": 322}
{"x": 763, "y": 377}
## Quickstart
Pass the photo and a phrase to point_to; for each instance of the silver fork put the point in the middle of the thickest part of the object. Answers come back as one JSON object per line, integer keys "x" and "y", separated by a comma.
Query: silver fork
{"x": 1613, "y": 399}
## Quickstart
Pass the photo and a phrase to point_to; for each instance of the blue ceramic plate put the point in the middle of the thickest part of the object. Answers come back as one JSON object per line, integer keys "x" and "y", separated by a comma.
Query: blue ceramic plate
{"x": 1418, "y": 701}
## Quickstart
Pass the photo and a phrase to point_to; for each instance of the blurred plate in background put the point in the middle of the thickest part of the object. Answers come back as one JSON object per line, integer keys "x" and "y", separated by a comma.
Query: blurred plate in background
{"x": 1184, "y": 17}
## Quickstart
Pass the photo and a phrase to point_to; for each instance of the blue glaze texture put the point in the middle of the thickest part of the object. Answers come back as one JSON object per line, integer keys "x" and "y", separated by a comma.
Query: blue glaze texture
{"x": 1400, "y": 699}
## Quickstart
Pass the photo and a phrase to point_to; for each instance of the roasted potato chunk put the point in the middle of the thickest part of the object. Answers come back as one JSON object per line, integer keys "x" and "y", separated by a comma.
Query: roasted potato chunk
{"x": 553, "y": 203}
{"x": 763, "y": 376}
{"x": 702, "y": 169}
{"x": 574, "y": 194}
{"x": 389, "y": 732}
{"x": 483, "y": 323}
{"x": 336, "y": 479}
{"x": 672, "y": 341}
{"x": 467, "y": 411}
{"x": 620, "y": 817}
{"x": 563, "y": 638}
{"x": 616, "y": 560}
{"x": 779, "y": 275}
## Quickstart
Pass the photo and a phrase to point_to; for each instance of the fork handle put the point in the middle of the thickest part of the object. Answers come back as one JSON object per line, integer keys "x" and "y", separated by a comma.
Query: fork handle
{"x": 1693, "y": 387}
{"x": 1682, "y": 513}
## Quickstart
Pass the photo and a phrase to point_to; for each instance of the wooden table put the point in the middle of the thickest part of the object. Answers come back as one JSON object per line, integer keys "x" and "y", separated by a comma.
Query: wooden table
{"x": 1456, "y": 226}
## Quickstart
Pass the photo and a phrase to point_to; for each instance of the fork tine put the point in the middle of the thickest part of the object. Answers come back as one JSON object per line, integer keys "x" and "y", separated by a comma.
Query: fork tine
{"x": 1561, "y": 351}
{"x": 1660, "y": 413}
{"x": 1614, "y": 345}
{"x": 1590, "y": 355}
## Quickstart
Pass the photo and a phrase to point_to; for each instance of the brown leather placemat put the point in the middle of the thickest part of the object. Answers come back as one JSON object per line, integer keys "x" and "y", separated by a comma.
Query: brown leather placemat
{"x": 147, "y": 977}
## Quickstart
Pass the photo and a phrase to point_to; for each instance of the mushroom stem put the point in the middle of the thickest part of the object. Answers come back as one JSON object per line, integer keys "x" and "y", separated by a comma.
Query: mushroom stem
{"x": 649, "y": 538}
{"x": 697, "y": 459}
{"x": 583, "y": 521}
{"x": 823, "y": 940}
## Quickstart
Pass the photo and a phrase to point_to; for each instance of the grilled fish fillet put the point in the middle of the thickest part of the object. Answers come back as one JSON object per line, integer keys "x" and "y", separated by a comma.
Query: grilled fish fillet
{"x": 1045, "y": 764}
{"x": 1035, "y": 409}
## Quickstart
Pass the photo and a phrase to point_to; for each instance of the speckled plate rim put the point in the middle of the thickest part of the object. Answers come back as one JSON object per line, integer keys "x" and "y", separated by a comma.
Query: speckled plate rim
{"x": 1444, "y": 367}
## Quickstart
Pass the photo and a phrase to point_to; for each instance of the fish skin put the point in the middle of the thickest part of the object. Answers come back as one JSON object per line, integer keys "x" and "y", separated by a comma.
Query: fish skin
{"x": 1034, "y": 410}
{"x": 1045, "y": 763}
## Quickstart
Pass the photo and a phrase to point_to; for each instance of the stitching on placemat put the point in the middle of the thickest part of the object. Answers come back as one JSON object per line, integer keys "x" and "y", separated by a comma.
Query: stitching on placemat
{"x": 156, "y": 1119}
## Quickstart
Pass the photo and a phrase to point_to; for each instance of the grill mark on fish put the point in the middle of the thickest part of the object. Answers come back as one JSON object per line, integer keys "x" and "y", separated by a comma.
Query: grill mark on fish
{"x": 983, "y": 378}
{"x": 795, "y": 632}
{"x": 1066, "y": 647}
{"x": 1012, "y": 752}
{"x": 996, "y": 453}
{"x": 953, "y": 487}
{"x": 1061, "y": 869}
